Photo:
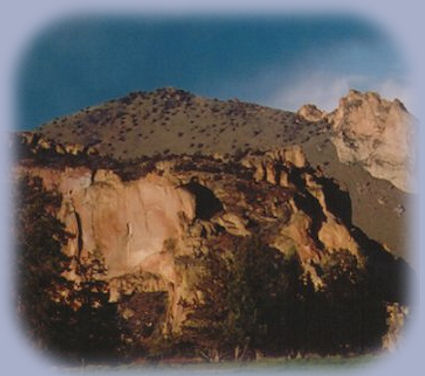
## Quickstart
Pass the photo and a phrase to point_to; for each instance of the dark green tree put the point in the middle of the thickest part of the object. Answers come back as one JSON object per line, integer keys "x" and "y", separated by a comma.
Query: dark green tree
{"x": 39, "y": 260}
{"x": 220, "y": 321}
{"x": 349, "y": 316}
{"x": 249, "y": 300}
{"x": 72, "y": 320}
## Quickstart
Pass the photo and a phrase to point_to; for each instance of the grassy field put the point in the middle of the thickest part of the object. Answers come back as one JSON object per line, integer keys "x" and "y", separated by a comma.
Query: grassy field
{"x": 263, "y": 366}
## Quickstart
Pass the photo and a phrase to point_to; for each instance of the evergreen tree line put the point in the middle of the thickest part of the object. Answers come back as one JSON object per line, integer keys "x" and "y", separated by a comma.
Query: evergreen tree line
{"x": 259, "y": 302}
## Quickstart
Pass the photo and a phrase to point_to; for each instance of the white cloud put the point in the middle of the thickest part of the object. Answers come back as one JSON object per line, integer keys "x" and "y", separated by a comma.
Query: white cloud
{"x": 324, "y": 90}
{"x": 391, "y": 89}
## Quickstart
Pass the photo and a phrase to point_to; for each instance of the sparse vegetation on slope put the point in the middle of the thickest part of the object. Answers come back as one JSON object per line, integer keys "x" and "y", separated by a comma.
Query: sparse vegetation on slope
{"x": 174, "y": 122}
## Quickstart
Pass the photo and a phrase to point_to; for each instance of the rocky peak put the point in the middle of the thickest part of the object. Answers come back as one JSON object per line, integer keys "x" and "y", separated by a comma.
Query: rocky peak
{"x": 376, "y": 133}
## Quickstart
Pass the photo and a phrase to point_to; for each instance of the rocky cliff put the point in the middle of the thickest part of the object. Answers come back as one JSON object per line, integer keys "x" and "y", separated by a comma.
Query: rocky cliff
{"x": 377, "y": 134}
{"x": 147, "y": 228}
{"x": 264, "y": 243}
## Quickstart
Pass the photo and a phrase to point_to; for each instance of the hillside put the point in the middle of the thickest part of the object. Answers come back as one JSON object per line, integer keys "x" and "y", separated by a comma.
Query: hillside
{"x": 170, "y": 121}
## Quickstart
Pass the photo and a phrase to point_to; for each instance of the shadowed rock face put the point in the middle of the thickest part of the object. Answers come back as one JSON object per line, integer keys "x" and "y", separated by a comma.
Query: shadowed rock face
{"x": 378, "y": 134}
{"x": 206, "y": 203}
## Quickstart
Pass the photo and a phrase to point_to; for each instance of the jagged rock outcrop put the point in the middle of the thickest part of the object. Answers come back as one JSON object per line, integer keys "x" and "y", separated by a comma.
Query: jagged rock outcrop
{"x": 310, "y": 112}
{"x": 34, "y": 142}
{"x": 142, "y": 226}
{"x": 378, "y": 134}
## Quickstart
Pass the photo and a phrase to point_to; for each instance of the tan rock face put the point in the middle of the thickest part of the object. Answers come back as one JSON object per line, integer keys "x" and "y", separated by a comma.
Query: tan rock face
{"x": 144, "y": 226}
{"x": 378, "y": 134}
{"x": 295, "y": 236}
{"x": 127, "y": 222}
{"x": 332, "y": 233}
{"x": 310, "y": 112}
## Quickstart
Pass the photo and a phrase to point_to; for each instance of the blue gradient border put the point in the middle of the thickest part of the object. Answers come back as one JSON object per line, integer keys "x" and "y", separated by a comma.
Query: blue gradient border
{"x": 20, "y": 20}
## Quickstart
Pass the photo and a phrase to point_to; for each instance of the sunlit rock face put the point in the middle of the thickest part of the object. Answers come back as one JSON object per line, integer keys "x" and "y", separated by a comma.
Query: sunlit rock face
{"x": 131, "y": 222}
{"x": 310, "y": 112}
{"x": 128, "y": 222}
{"x": 378, "y": 134}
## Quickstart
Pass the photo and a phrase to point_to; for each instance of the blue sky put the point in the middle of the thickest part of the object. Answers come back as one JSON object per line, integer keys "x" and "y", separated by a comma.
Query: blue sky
{"x": 280, "y": 61}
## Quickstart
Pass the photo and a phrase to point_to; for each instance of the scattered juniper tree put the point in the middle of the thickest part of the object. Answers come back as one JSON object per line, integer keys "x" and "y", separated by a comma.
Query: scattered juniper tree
{"x": 72, "y": 321}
